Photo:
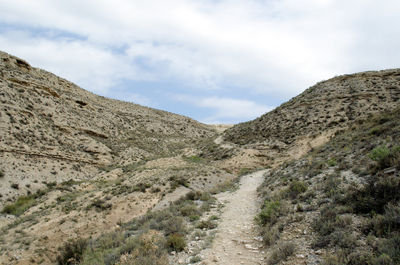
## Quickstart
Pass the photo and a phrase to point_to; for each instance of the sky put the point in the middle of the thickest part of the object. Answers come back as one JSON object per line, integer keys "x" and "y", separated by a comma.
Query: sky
{"x": 217, "y": 61}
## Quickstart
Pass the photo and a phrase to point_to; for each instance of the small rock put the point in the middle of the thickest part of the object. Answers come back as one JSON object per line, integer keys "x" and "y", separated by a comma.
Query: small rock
{"x": 258, "y": 238}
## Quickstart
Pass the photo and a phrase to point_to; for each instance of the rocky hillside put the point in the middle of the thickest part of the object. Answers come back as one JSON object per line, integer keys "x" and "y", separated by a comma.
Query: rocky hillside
{"x": 52, "y": 130}
{"x": 74, "y": 164}
{"x": 338, "y": 204}
{"x": 312, "y": 117}
{"x": 90, "y": 180}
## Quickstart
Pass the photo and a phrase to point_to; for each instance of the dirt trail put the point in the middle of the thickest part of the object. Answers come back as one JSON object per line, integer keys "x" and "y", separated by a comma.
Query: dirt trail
{"x": 237, "y": 241}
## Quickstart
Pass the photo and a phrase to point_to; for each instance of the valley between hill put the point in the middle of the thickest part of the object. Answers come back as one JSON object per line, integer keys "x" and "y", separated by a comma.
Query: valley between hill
{"x": 90, "y": 180}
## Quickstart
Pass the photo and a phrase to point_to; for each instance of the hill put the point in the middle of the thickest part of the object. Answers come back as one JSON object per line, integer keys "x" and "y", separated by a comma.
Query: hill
{"x": 76, "y": 164}
{"x": 338, "y": 204}
{"x": 52, "y": 130}
{"x": 312, "y": 117}
{"x": 90, "y": 180}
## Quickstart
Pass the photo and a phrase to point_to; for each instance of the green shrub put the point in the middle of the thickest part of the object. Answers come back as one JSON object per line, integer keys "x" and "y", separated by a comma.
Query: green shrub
{"x": 343, "y": 239}
{"x": 331, "y": 162}
{"x": 1, "y": 173}
{"x": 391, "y": 247}
{"x": 169, "y": 225}
{"x": 142, "y": 187}
{"x": 382, "y": 260}
{"x": 344, "y": 221}
{"x": 147, "y": 249}
{"x": 360, "y": 258}
{"x": 176, "y": 181}
{"x": 51, "y": 185}
{"x": 332, "y": 229}
{"x": 22, "y": 204}
{"x": 270, "y": 235}
{"x": 245, "y": 171}
{"x": 205, "y": 196}
{"x": 269, "y": 213}
{"x": 189, "y": 209}
{"x": 382, "y": 225}
{"x": 71, "y": 252}
{"x": 373, "y": 197}
{"x": 331, "y": 260}
{"x": 195, "y": 259}
{"x": 193, "y": 218}
{"x": 206, "y": 224}
{"x": 385, "y": 157}
{"x": 110, "y": 240}
{"x": 193, "y": 159}
{"x": 282, "y": 252}
{"x": 100, "y": 205}
{"x": 192, "y": 195}
{"x": 331, "y": 185}
{"x": 205, "y": 207}
{"x": 379, "y": 153}
{"x": 296, "y": 188}
{"x": 176, "y": 242}
{"x": 197, "y": 195}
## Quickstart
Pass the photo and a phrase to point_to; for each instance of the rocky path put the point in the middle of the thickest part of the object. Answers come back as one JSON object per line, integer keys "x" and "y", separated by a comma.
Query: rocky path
{"x": 237, "y": 241}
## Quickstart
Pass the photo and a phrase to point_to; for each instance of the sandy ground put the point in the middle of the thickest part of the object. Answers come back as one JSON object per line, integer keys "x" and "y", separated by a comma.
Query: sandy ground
{"x": 237, "y": 241}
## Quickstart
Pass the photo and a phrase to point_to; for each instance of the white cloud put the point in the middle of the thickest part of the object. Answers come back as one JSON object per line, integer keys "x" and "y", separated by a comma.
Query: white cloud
{"x": 132, "y": 98}
{"x": 274, "y": 48}
{"x": 234, "y": 109}
{"x": 225, "y": 108}
{"x": 83, "y": 62}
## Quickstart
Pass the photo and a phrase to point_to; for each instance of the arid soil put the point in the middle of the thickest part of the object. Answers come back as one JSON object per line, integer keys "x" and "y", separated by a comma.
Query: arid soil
{"x": 237, "y": 240}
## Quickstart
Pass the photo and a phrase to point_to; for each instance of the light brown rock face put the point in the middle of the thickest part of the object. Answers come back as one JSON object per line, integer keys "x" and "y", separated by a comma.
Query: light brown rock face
{"x": 52, "y": 130}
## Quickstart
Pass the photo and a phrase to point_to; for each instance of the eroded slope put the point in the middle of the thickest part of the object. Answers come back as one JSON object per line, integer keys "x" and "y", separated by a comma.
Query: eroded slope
{"x": 309, "y": 119}
{"x": 339, "y": 204}
{"x": 52, "y": 130}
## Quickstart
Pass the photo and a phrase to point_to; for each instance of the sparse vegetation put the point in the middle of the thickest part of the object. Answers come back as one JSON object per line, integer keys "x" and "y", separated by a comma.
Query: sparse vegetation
{"x": 208, "y": 224}
{"x": 354, "y": 192}
{"x": 296, "y": 188}
{"x": 22, "y": 204}
{"x": 146, "y": 239}
{"x": 270, "y": 212}
{"x": 282, "y": 252}
{"x": 270, "y": 235}
{"x": 176, "y": 242}
{"x": 71, "y": 252}
{"x": 176, "y": 181}
{"x": 100, "y": 205}
{"x": 193, "y": 159}
{"x": 385, "y": 157}
{"x": 331, "y": 162}
{"x": 342, "y": 197}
